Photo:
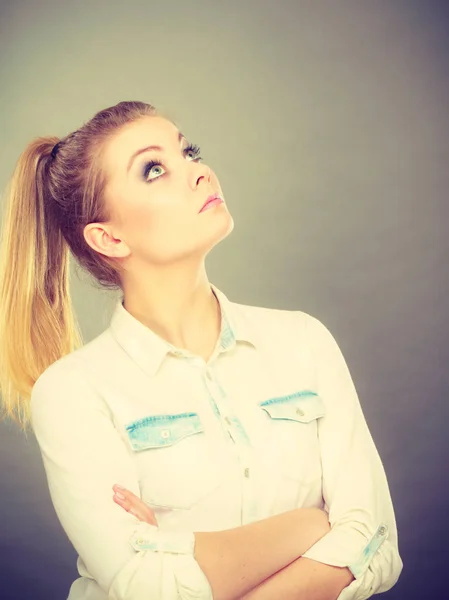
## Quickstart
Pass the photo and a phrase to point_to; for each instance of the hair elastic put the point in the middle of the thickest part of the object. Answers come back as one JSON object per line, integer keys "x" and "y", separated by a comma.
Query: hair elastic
{"x": 55, "y": 149}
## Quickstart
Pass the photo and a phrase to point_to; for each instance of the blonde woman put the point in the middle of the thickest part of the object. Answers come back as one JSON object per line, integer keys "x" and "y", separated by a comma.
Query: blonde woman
{"x": 246, "y": 467}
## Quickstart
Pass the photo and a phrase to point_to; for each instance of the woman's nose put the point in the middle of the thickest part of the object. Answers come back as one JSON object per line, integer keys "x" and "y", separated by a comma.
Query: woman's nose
{"x": 201, "y": 171}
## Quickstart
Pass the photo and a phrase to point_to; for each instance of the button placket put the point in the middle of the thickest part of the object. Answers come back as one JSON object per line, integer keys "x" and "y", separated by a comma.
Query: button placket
{"x": 239, "y": 438}
{"x": 249, "y": 502}
{"x": 212, "y": 393}
{"x": 216, "y": 394}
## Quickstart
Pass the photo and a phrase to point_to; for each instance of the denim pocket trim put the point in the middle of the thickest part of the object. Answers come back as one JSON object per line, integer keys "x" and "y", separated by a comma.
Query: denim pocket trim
{"x": 159, "y": 431}
{"x": 302, "y": 406}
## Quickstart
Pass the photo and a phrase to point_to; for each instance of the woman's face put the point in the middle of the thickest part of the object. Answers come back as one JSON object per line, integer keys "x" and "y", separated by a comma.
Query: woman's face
{"x": 157, "y": 207}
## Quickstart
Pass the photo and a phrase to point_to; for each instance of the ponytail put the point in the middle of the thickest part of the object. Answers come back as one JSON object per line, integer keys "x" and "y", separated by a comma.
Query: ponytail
{"x": 37, "y": 321}
{"x": 53, "y": 194}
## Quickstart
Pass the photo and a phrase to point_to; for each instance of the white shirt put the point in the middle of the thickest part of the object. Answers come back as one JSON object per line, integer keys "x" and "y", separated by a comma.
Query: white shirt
{"x": 271, "y": 423}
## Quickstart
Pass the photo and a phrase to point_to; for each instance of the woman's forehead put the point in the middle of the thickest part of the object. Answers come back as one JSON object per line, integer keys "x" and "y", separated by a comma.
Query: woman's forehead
{"x": 149, "y": 129}
{"x": 134, "y": 136}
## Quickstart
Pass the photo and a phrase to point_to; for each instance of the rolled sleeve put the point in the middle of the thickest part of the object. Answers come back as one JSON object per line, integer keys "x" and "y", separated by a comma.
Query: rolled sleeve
{"x": 166, "y": 557}
{"x": 363, "y": 534}
{"x": 84, "y": 456}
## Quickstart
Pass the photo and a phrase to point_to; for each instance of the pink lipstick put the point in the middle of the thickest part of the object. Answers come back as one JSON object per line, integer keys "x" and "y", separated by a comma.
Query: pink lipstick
{"x": 213, "y": 200}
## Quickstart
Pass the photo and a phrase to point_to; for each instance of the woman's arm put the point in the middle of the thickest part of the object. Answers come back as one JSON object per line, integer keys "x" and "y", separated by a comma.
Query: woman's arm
{"x": 303, "y": 579}
{"x": 363, "y": 534}
{"x": 237, "y": 560}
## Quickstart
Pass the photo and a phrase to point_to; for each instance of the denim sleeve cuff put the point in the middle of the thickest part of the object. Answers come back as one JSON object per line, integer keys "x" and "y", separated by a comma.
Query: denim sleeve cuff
{"x": 358, "y": 568}
{"x": 345, "y": 546}
{"x": 164, "y": 575}
{"x": 150, "y": 537}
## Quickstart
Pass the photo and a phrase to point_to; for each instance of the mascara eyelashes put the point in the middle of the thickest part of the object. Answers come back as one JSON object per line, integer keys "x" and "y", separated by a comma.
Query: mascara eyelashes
{"x": 193, "y": 148}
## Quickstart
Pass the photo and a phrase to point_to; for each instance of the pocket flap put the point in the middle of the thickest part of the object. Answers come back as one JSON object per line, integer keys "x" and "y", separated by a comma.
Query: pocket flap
{"x": 158, "y": 431}
{"x": 303, "y": 406}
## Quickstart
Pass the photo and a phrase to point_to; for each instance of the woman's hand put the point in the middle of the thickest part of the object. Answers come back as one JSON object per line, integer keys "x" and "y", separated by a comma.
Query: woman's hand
{"x": 134, "y": 505}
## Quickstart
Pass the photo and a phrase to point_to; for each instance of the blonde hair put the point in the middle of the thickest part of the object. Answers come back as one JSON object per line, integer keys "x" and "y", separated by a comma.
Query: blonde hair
{"x": 49, "y": 201}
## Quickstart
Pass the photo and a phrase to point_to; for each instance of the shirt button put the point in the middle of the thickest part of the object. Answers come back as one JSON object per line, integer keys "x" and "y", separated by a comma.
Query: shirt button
{"x": 228, "y": 420}
{"x": 299, "y": 412}
{"x": 165, "y": 433}
{"x": 382, "y": 530}
{"x": 247, "y": 472}
{"x": 209, "y": 375}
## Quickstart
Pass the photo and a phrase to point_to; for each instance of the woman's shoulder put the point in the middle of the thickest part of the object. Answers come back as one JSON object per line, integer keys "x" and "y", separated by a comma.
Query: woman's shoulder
{"x": 278, "y": 323}
{"x": 275, "y": 316}
{"x": 64, "y": 384}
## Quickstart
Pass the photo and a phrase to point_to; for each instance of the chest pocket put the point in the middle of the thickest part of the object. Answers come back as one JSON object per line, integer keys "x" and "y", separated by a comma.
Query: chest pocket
{"x": 162, "y": 430}
{"x": 175, "y": 467}
{"x": 292, "y": 433}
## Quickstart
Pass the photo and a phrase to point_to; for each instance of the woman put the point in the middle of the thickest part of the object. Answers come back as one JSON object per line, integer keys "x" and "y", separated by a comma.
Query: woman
{"x": 236, "y": 432}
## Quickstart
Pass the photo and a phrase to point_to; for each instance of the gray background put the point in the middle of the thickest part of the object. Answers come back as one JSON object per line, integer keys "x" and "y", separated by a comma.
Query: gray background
{"x": 326, "y": 123}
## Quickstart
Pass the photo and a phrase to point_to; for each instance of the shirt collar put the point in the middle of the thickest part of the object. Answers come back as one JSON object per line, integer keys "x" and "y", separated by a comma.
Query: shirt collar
{"x": 148, "y": 349}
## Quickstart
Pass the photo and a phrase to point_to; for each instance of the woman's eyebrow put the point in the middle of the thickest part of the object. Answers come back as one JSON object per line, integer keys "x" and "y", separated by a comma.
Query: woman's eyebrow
{"x": 181, "y": 137}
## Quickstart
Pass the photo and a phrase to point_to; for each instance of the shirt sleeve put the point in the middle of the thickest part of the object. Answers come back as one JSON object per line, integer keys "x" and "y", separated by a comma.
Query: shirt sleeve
{"x": 84, "y": 456}
{"x": 363, "y": 534}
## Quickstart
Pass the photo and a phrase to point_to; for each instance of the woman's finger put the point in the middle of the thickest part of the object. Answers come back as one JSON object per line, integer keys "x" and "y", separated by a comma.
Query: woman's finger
{"x": 134, "y": 505}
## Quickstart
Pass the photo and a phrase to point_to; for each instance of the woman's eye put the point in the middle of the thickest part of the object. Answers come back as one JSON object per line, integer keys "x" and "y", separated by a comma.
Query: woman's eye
{"x": 192, "y": 151}
{"x": 152, "y": 167}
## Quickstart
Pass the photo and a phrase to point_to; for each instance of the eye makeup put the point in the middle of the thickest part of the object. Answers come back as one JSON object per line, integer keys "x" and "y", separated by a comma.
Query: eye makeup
{"x": 193, "y": 148}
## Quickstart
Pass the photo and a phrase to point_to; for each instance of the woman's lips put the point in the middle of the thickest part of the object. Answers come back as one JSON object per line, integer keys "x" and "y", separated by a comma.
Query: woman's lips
{"x": 211, "y": 203}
